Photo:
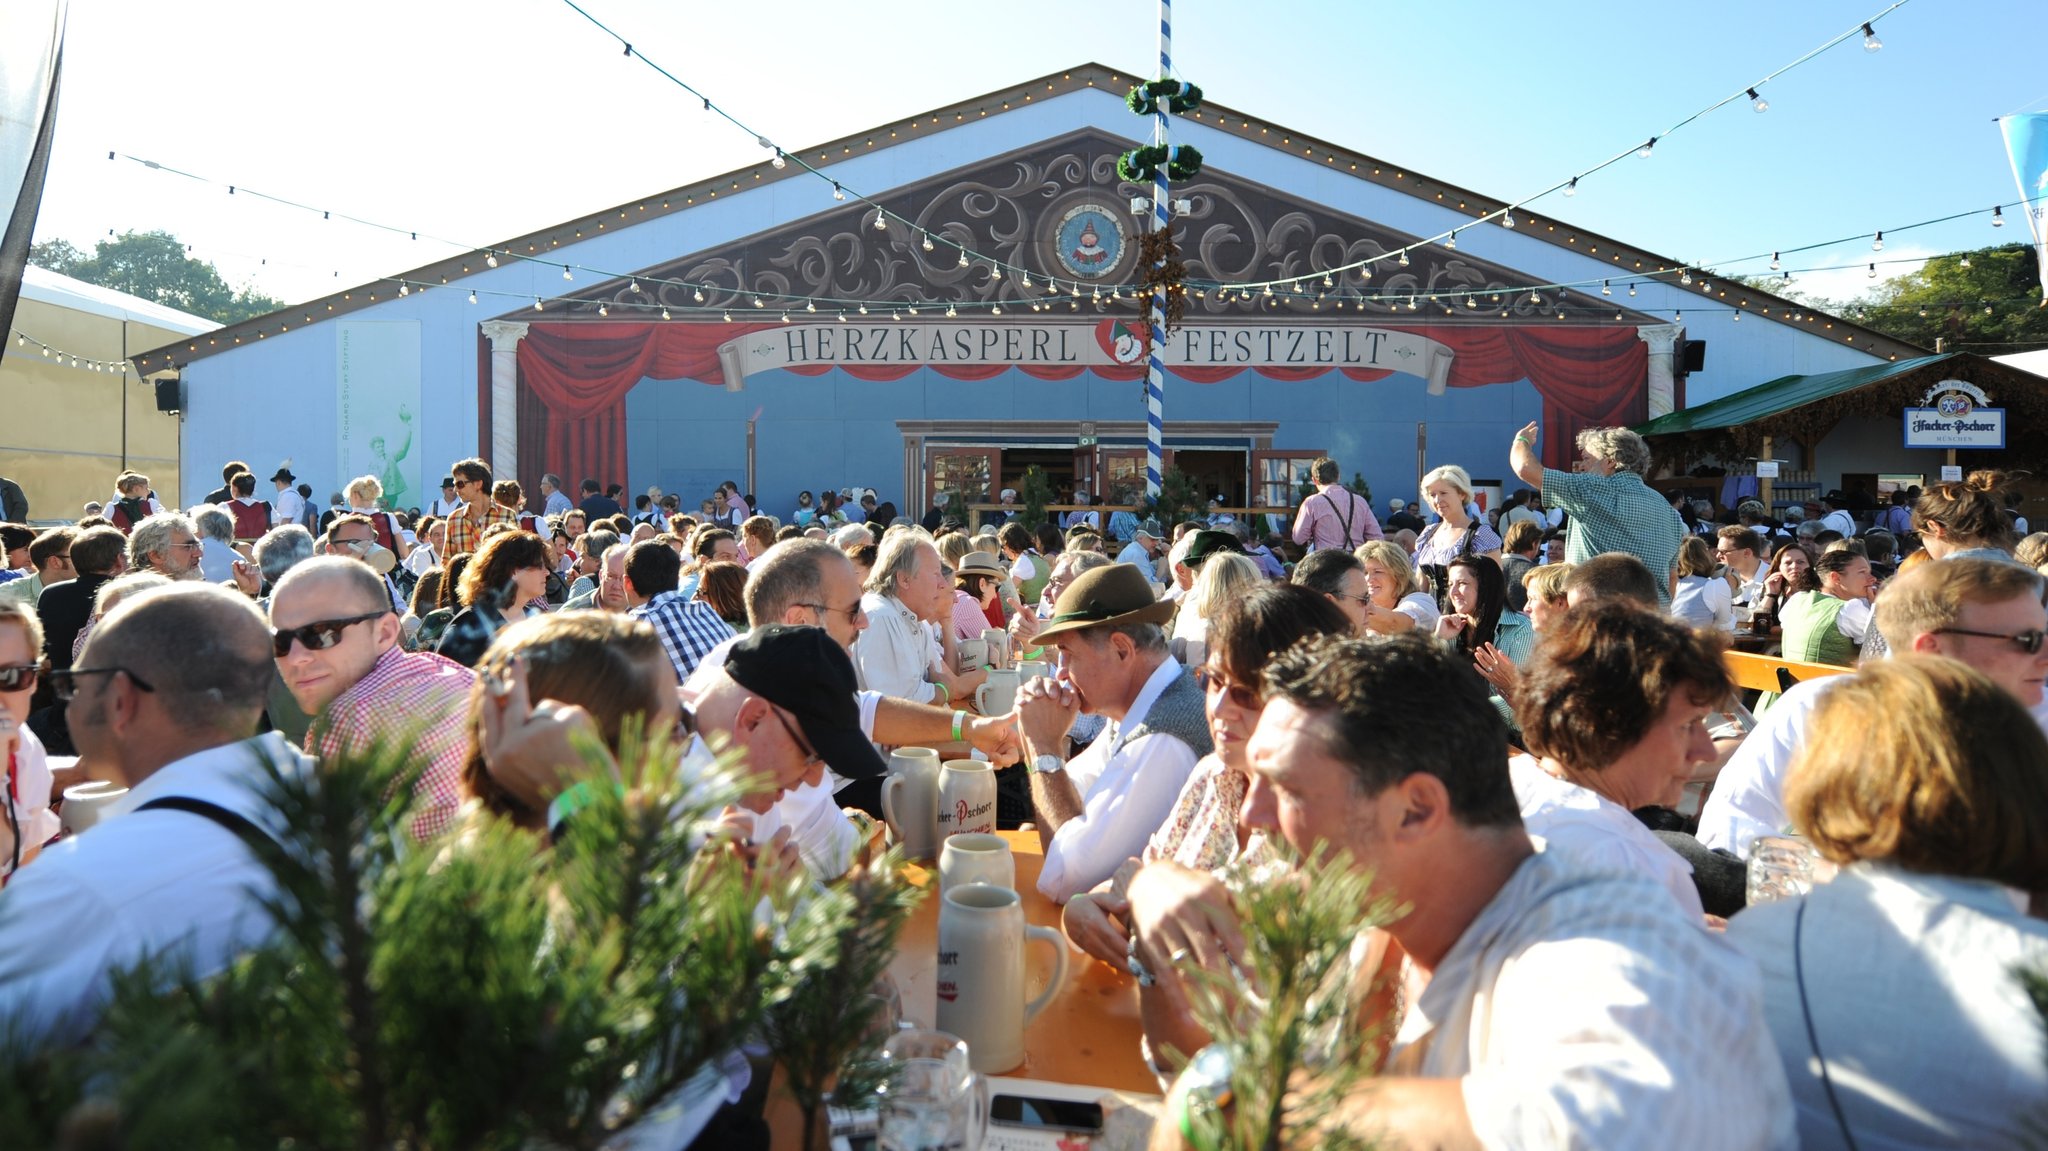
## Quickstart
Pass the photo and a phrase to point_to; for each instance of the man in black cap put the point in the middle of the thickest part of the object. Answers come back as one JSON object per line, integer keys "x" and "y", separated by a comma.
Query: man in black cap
{"x": 287, "y": 506}
{"x": 1100, "y": 808}
{"x": 444, "y": 505}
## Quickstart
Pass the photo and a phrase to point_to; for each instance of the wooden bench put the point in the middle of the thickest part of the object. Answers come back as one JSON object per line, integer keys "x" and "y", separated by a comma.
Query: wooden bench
{"x": 1770, "y": 673}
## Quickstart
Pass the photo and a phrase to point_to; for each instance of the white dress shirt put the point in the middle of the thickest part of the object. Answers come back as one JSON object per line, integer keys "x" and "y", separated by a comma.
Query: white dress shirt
{"x": 895, "y": 651}
{"x": 1598, "y": 834}
{"x": 1128, "y": 788}
{"x": 1583, "y": 1010}
{"x": 216, "y": 560}
{"x": 1929, "y": 1040}
{"x": 136, "y": 885}
{"x": 421, "y": 558}
{"x": 1749, "y": 795}
{"x": 287, "y": 506}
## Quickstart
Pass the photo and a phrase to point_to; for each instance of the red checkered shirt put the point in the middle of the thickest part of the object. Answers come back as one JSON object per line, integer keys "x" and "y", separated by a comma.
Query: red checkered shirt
{"x": 417, "y": 696}
{"x": 465, "y": 534}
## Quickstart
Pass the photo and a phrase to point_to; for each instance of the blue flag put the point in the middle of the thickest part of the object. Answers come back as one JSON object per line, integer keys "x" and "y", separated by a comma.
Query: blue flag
{"x": 2026, "y": 142}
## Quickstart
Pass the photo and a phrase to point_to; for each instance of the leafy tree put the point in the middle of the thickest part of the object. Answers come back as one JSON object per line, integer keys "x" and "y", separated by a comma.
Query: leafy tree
{"x": 155, "y": 266}
{"x": 1947, "y": 299}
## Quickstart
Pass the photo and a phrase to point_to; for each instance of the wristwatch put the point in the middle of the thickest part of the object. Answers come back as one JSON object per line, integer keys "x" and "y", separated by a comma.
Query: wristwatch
{"x": 1048, "y": 764}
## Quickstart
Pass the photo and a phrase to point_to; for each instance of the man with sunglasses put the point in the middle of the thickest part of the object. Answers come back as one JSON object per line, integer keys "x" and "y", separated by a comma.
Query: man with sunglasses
{"x": 49, "y": 559}
{"x": 164, "y": 701}
{"x": 336, "y": 644}
{"x": 478, "y": 510}
{"x": 1984, "y": 612}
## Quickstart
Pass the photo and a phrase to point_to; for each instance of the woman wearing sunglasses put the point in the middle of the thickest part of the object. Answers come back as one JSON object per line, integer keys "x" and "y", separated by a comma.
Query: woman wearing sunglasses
{"x": 1201, "y": 837}
{"x": 508, "y": 573}
{"x": 30, "y": 823}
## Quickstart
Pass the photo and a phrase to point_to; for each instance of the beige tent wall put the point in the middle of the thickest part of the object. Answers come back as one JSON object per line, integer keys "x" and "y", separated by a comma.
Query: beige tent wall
{"x": 61, "y": 428}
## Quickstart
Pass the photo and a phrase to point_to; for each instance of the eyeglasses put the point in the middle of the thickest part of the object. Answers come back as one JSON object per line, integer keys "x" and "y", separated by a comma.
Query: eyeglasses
{"x": 852, "y": 613}
{"x": 811, "y": 757}
{"x": 190, "y": 546}
{"x": 1215, "y": 681}
{"x": 17, "y": 676}
{"x": 2028, "y": 641}
{"x": 318, "y": 635}
{"x": 1347, "y": 595}
{"x": 65, "y": 683}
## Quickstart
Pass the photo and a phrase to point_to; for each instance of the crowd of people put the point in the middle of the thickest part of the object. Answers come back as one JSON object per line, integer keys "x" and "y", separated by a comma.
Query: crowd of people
{"x": 1518, "y": 718}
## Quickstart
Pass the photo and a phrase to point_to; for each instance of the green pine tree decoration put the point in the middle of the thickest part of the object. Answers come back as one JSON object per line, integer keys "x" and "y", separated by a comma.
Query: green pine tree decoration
{"x": 1292, "y": 1008}
{"x": 480, "y": 992}
{"x": 1034, "y": 491}
{"x": 1178, "y": 500}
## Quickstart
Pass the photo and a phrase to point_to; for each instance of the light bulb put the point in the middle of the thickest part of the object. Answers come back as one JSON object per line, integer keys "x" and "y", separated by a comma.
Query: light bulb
{"x": 1451, "y": 241}
{"x": 1685, "y": 277}
{"x": 1761, "y": 104}
{"x": 1411, "y": 303}
{"x": 664, "y": 313}
{"x": 403, "y": 289}
{"x": 604, "y": 310}
{"x": 912, "y": 309}
{"x": 726, "y": 316}
{"x": 1788, "y": 277}
{"x": 1873, "y": 272}
{"x": 491, "y": 259}
{"x": 1470, "y": 303}
{"x": 778, "y": 163}
{"x": 1737, "y": 319}
{"x": 785, "y": 317}
{"x": 1648, "y": 146}
{"x": 1966, "y": 261}
{"x": 1507, "y": 219}
{"x": 1328, "y": 282}
{"x": 881, "y": 222}
{"x": 472, "y": 297}
{"x": 838, "y": 193}
{"x": 633, "y": 286}
{"x": 1774, "y": 261}
{"x": 1877, "y": 245}
{"x": 995, "y": 273}
{"x": 996, "y": 310}
{"x": 950, "y": 313}
{"x": 863, "y": 309}
{"x": 1870, "y": 41}
{"x": 1571, "y": 187}
{"x": 1027, "y": 281}
{"x": 1997, "y": 217}
{"x": 927, "y": 241}
{"x": 1605, "y": 290}
{"x": 963, "y": 257}
{"x": 1268, "y": 292}
{"x": 1631, "y": 289}
{"x": 565, "y": 273}
{"x": 1677, "y": 317}
{"x": 842, "y": 317}
{"x": 536, "y": 304}
{"x": 700, "y": 295}
{"x": 1535, "y": 298}
{"x": 1403, "y": 261}
{"x": 759, "y": 303}
{"x": 811, "y": 306}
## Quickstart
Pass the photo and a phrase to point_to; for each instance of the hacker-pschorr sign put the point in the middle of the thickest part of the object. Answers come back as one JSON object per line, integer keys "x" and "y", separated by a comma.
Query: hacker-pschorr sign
{"x": 1956, "y": 415}
{"x": 1080, "y": 345}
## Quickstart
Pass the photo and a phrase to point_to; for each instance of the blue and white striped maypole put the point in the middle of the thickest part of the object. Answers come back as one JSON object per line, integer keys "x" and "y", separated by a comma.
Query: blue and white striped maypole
{"x": 1155, "y": 365}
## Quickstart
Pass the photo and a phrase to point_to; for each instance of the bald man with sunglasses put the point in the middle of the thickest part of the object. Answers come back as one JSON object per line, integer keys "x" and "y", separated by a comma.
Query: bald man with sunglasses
{"x": 336, "y": 642}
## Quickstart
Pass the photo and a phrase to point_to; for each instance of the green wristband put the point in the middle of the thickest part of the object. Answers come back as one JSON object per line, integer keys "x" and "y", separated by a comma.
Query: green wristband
{"x": 959, "y": 721}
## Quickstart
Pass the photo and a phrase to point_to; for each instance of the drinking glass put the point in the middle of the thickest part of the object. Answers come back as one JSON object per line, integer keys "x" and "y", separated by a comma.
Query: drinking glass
{"x": 930, "y": 1099}
{"x": 1780, "y": 867}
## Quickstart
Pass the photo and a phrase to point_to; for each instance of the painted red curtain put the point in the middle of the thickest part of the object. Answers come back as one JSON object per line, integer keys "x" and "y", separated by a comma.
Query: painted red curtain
{"x": 572, "y": 409}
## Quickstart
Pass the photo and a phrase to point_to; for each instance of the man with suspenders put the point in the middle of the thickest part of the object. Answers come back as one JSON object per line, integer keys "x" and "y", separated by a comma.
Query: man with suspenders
{"x": 164, "y": 700}
{"x": 1336, "y": 516}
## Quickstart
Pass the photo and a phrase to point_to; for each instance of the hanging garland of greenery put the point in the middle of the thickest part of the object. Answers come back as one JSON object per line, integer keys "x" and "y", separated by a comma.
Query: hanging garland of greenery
{"x": 1180, "y": 98}
{"x": 1141, "y": 165}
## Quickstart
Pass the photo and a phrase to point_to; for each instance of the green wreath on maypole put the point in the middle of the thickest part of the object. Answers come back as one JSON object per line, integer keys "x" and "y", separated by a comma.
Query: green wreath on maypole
{"x": 1180, "y": 98}
{"x": 1141, "y": 165}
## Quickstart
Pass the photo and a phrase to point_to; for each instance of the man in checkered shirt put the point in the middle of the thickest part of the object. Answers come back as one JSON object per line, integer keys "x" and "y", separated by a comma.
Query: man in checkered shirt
{"x": 478, "y": 511}
{"x": 340, "y": 658}
{"x": 688, "y": 628}
{"x": 1612, "y": 509}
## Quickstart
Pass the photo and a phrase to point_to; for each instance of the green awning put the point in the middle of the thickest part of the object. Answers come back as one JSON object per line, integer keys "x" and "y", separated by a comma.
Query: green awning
{"x": 1780, "y": 395}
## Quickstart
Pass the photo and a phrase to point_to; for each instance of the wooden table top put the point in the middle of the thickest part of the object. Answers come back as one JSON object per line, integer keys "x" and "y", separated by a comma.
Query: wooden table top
{"x": 1087, "y": 1035}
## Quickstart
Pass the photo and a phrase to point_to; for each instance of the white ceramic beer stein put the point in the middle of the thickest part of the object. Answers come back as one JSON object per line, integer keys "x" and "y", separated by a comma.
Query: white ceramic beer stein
{"x": 967, "y": 799}
{"x": 998, "y": 695}
{"x": 976, "y": 857}
{"x": 981, "y": 973}
{"x": 910, "y": 799}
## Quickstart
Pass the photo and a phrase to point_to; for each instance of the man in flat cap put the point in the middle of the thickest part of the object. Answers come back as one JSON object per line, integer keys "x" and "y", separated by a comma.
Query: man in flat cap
{"x": 1100, "y": 808}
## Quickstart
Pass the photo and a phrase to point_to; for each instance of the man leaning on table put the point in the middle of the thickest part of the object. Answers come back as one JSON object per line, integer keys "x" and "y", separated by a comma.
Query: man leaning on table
{"x": 1564, "y": 1007}
{"x": 1100, "y": 808}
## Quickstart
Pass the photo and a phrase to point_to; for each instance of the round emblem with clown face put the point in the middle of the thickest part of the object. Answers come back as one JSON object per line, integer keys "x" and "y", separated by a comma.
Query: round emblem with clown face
{"x": 1090, "y": 241}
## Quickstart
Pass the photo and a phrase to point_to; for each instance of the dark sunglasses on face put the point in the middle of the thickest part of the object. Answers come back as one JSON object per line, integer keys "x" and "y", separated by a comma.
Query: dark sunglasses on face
{"x": 1213, "y": 680}
{"x": 2028, "y": 641}
{"x": 64, "y": 684}
{"x": 318, "y": 635}
{"x": 17, "y": 676}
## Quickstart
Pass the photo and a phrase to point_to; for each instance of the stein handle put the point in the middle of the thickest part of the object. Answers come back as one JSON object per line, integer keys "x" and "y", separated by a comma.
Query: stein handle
{"x": 889, "y": 787}
{"x": 981, "y": 698}
{"x": 1058, "y": 943}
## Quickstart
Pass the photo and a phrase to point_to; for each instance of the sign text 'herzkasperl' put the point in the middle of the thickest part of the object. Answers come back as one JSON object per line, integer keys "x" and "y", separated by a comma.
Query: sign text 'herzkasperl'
{"x": 1104, "y": 343}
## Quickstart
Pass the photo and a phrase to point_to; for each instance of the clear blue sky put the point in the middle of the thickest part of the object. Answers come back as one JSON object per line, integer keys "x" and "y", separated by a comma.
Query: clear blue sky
{"x": 481, "y": 120}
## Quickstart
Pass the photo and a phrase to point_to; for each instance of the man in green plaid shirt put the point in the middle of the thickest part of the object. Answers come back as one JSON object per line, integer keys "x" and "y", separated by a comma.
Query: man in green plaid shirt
{"x": 1611, "y": 508}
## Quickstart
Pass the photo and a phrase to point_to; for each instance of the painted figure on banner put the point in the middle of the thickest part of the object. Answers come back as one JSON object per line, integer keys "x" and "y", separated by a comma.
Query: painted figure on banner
{"x": 388, "y": 471}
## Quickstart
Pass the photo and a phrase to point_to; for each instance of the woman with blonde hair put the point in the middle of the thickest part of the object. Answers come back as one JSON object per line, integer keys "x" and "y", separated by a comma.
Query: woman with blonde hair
{"x": 1224, "y": 578}
{"x": 1928, "y": 784}
{"x": 1394, "y": 602}
{"x": 1458, "y": 532}
{"x": 1702, "y": 598}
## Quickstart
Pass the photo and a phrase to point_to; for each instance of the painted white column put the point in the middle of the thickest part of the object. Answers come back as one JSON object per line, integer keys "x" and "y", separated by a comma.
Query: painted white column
{"x": 505, "y": 336}
{"x": 1663, "y": 341}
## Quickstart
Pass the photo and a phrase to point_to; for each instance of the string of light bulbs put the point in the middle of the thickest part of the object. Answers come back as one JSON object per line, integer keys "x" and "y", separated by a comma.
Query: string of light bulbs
{"x": 62, "y": 358}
